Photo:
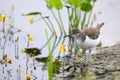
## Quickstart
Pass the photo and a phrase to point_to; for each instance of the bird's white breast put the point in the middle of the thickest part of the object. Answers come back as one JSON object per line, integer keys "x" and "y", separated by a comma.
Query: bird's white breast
{"x": 88, "y": 43}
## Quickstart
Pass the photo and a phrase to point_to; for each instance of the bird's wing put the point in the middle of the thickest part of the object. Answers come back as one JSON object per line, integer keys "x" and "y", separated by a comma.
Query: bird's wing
{"x": 91, "y": 32}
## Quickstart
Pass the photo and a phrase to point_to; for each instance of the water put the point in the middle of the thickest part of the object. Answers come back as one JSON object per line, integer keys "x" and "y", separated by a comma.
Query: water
{"x": 110, "y": 32}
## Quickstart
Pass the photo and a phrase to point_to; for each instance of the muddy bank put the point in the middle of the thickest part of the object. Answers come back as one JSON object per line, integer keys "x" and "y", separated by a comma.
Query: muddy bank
{"x": 103, "y": 64}
{"x": 106, "y": 63}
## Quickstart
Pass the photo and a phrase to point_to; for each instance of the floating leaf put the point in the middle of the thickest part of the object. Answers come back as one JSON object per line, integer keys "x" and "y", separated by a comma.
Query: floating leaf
{"x": 42, "y": 59}
{"x": 32, "y": 13}
{"x": 35, "y": 51}
{"x": 86, "y": 7}
{"x": 57, "y": 4}
{"x": 76, "y": 3}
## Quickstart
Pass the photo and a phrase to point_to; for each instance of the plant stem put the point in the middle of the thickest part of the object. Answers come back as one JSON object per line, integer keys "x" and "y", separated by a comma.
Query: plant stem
{"x": 47, "y": 23}
{"x": 51, "y": 25}
{"x": 58, "y": 41}
{"x": 76, "y": 18}
{"x": 34, "y": 63}
{"x": 50, "y": 65}
{"x": 57, "y": 22}
{"x": 70, "y": 29}
{"x": 0, "y": 41}
{"x": 4, "y": 45}
{"x": 59, "y": 14}
{"x": 4, "y": 38}
{"x": 89, "y": 17}
{"x": 74, "y": 15}
{"x": 63, "y": 65}
{"x": 83, "y": 21}
{"x": 8, "y": 74}
{"x": 19, "y": 73}
{"x": 53, "y": 46}
{"x": 27, "y": 55}
{"x": 90, "y": 14}
{"x": 79, "y": 19}
{"x": 47, "y": 42}
{"x": 17, "y": 48}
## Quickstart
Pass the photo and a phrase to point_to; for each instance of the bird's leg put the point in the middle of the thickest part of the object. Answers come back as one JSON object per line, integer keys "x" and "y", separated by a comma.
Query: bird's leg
{"x": 76, "y": 51}
{"x": 88, "y": 55}
{"x": 89, "y": 51}
{"x": 84, "y": 53}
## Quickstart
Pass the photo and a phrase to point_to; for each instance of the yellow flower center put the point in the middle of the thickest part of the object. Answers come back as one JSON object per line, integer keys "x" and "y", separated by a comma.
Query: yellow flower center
{"x": 62, "y": 48}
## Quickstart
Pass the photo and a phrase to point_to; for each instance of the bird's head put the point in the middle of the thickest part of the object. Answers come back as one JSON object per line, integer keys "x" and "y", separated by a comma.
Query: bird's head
{"x": 73, "y": 33}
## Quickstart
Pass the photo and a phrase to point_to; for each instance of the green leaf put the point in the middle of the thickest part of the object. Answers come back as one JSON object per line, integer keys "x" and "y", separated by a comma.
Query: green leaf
{"x": 57, "y": 4}
{"x": 32, "y": 13}
{"x": 86, "y": 7}
{"x": 42, "y": 59}
{"x": 76, "y": 3}
{"x": 35, "y": 51}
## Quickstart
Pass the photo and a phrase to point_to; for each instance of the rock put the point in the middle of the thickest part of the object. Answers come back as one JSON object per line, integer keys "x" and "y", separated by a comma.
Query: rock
{"x": 103, "y": 64}
{"x": 106, "y": 63}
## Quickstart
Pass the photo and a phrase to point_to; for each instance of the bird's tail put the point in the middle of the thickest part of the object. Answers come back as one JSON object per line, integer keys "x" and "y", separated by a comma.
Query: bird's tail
{"x": 100, "y": 25}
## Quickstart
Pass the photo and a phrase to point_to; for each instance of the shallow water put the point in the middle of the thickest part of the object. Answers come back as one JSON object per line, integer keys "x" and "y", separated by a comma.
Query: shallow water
{"x": 110, "y": 32}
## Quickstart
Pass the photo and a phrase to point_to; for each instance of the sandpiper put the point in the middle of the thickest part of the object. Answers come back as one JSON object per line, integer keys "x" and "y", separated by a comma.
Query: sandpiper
{"x": 88, "y": 37}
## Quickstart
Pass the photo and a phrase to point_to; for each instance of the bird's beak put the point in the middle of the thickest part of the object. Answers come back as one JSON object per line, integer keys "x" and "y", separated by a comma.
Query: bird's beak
{"x": 67, "y": 35}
